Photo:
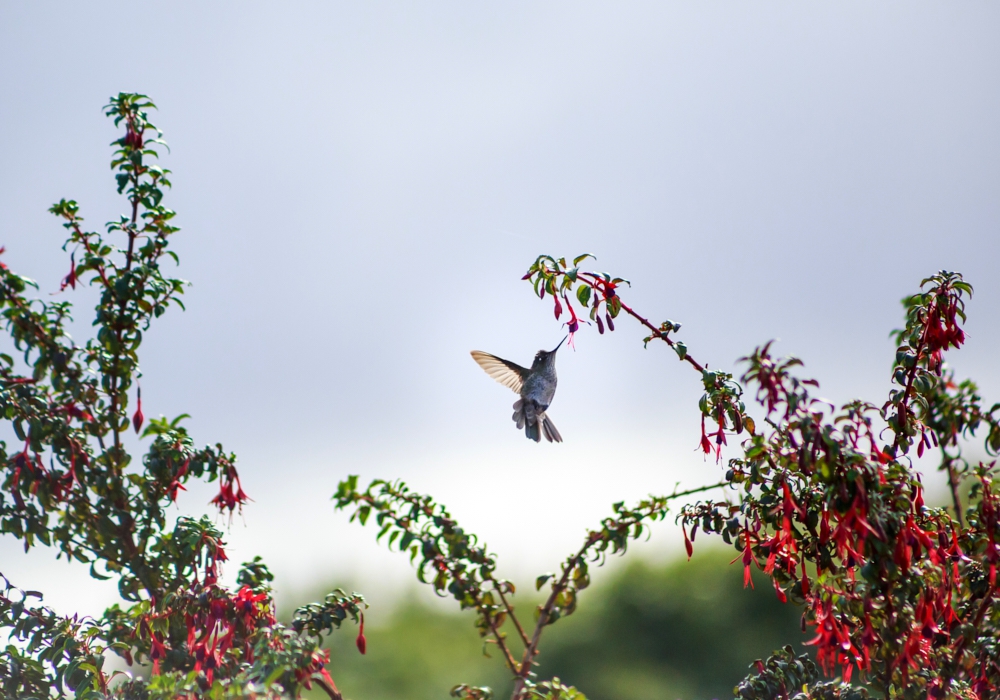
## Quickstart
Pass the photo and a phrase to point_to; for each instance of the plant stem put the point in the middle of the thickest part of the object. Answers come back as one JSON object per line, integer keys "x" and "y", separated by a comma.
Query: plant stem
{"x": 953, "y": 485}
{"x": 657, "y": 333}
{"x": 508, "y": 657}
{"x": 329, "y": 688}
{"x": 559, "y": 586}
{"x": 512, "y": 616}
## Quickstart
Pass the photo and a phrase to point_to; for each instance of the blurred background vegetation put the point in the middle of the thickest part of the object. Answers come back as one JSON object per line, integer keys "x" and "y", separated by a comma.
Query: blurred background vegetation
{"x": 680, "y": 629}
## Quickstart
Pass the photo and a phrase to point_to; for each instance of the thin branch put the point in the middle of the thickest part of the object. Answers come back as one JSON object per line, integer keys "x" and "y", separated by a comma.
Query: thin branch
{"x": 532, "y": 650}
{"x": 508, "y": 657}
{"x": 512, "y": 616}
{"x": 329, "y": 688}
{"x": 559, "y": 586}
{"x": 953, "y": 485}
{"x": 656, "y": 332}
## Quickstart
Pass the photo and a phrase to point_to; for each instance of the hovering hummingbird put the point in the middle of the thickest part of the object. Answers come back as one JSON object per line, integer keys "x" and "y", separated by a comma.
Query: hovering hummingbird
{"x": 536, "y": 387}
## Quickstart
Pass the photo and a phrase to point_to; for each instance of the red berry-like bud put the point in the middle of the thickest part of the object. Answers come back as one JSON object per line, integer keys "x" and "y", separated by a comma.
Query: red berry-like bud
{"x": 361, "y": 641}
{"x": 137, "y": 418}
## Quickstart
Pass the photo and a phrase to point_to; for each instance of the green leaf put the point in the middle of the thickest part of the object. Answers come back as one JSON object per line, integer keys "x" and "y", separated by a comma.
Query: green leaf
{"x": 614, "y": 306}
{"x": 583, "y": 294}
{"x": 540, "y": 581}
{"x": 681, "y": 350}
{"x": 94, "y": 574}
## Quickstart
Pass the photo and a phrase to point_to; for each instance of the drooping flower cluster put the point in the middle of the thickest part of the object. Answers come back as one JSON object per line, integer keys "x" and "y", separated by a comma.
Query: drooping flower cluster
{"x": 836, "y": 517}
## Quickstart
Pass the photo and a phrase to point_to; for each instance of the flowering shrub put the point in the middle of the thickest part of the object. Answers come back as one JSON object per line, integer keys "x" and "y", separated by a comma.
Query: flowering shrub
{"x": 71, "y": 485}
{"x": 824, "y": 500}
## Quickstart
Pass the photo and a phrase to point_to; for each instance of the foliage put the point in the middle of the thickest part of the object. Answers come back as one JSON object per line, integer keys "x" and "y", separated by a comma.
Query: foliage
{"x": 451, "y": 562}
{"x": 73, "y": 486}
{"x": 643, "y": 631}
{"x": 683, "y": 630}
{"x": 827, "y": 508}
{"x": 825, "y": 501}
{"x": 784, "y": 673}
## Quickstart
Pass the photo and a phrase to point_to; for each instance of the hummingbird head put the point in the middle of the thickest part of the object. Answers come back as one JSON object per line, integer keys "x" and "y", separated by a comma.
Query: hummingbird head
{"x": 546, "y": 357}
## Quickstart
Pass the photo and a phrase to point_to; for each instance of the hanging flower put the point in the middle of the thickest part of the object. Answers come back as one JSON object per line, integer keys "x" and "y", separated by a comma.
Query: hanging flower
{"x": 137, "y": 418}
{"x": 70, "y": 279}
{"x": 361, "y": 642}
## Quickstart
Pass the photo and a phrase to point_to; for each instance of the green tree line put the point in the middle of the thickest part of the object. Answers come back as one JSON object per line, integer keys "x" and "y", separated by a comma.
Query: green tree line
{"x": 649, "y": 631}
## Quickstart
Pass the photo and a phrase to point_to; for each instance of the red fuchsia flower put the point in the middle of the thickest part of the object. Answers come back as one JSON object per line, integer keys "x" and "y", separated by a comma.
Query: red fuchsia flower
{"x": 361, "y": 642}
{"x": 318, "y": 660}
{"x": 251, "y": 606}
{"x": 790, "y": 506}
{"x": 133, "y": 138}
{"x": 747, "y": 557}
{"x": 706, "y": 444}
{"x": 606, "y": 287}
{"x": 879, "y": 455}
{"x": 833, "y": 639}
{"x": 62, "y": 484}
{"x": 3, "y": 249}
{"x": 573, "y": 324}
{"x": 719, "y": 435}
{"x": 175, "y": 483}
{"x": 558, "y": 307}
{"x": 70, "y": 279}
{"x": 941, "y": 329}
{"x": 157, "y": 652}
{"x": 231, "y": 495}
{"x": 74, "y": 411}
{"x": 214, "y": 555}
{"x": 138, "y": 417}
{"x": 207, "y": 659}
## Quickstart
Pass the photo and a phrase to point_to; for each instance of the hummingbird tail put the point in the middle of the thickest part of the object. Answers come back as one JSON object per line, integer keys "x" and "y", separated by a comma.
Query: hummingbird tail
{"x": 549, "y": 428}
{"x": 531, "y": 431}
{"x": 526, "y": 417}
{"x": 534, "y": 422}
{"x": 518, "y": 416}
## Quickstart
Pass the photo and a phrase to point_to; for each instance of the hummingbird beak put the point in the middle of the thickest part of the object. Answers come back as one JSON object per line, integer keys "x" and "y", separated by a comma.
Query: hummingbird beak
{"x": 560, "y": 343}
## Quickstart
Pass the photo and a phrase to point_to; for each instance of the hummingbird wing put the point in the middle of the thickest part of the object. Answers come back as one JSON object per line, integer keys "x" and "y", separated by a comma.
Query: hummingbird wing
{"x": 507, "y": 373}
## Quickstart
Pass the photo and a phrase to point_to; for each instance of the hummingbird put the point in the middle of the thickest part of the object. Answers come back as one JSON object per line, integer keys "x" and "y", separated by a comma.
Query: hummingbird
{"x": 536, "y": 387}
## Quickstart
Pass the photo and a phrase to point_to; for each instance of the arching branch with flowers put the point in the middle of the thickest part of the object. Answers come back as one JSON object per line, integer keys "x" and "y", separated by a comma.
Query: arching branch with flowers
{"x": 824, "y": 500}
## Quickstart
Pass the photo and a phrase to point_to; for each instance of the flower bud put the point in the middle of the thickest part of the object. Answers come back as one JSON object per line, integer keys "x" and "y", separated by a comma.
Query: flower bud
{"x": 137, "y": 418}
{"x": 361, "y": 641}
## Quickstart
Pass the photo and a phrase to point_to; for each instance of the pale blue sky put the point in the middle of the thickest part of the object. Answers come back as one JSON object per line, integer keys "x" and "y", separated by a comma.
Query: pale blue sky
{"x": 361, "y": 186}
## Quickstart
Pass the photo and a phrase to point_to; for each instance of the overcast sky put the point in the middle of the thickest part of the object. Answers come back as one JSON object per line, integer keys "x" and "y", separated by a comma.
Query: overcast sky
{"x": 361, "y": 186}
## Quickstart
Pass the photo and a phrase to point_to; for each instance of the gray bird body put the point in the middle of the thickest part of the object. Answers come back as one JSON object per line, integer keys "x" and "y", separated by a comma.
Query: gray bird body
{"x": 536, "y": 388}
